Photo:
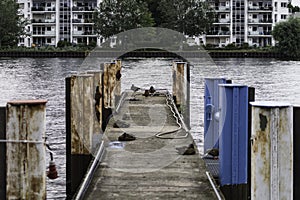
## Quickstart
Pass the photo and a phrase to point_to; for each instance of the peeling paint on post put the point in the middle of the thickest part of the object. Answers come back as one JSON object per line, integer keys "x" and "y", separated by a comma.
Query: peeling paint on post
{"x": 80, "y": 115}
{"x": 181, "y": 78}
{"x": 272, "y": 151}
{"x": 25, "y": 150}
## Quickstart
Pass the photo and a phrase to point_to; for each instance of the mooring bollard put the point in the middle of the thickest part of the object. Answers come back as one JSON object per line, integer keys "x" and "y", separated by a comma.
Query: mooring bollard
{"x": 80, "y": 111}
{"x": 211, "y": 112}
{"x": 181, "y": 89}
{"x": 233, "y": 143}
{"x": 272, "y": 151}
{"x": 25, "y": 150}
{"x": 296, "y": 147}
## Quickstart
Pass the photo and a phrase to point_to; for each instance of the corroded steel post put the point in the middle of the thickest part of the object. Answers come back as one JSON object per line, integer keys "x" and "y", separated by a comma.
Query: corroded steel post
{"x": 25, "y": 150}
{"x": 80, "y": 114}
{"x": 272, "y": 151}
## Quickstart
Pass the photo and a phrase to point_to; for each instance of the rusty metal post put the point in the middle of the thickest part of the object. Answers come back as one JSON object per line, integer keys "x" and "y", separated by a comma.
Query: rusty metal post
{"x": 80, "y": 111}
{"x": 272, "y": 151}
{"x": 296, "y": 133}
{"x": 25, "y": 150}
{"x": 3, "y": 153}
{"x": 181, "y": 76}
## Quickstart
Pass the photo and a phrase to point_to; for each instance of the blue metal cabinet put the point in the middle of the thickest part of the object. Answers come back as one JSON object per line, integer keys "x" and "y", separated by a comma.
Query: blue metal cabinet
{"x": 233, "y": 129}
{"x": 211, "y": 107}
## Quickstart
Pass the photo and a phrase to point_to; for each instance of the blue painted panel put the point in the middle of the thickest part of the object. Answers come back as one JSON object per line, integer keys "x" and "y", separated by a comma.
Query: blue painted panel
{"x": 233, "y": 127}
{"x": 211, "y": 107}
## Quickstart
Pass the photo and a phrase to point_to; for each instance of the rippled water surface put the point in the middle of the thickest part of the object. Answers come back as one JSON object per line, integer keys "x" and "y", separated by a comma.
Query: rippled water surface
{"x": 27, "y": 78}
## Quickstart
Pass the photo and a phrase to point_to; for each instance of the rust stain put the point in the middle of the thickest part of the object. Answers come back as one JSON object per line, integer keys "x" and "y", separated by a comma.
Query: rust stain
{"x": 263, "y": 122}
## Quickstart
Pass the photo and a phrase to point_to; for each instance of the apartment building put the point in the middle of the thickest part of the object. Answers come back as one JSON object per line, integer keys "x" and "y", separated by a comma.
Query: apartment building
{"x": 245, "y": 21}
{"x": 55, "y": 20}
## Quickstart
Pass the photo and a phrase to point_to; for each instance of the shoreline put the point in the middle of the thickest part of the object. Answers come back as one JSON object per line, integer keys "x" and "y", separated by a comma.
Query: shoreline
{"x": 146, "y": 54}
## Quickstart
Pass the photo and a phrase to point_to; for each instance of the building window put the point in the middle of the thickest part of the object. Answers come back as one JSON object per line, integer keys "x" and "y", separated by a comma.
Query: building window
{"x": 283, "y": 16}
{"x": 49, "y": 28}
{"x": 49, "y": 40}
{"x": 283, "y": 4}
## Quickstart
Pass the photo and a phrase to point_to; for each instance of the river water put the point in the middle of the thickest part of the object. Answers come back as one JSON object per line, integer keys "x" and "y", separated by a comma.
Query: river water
{"x": 28, "y": 78}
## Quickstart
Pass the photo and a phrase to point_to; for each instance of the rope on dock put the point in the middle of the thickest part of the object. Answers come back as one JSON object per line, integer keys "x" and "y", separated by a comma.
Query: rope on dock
{"x": 178, "y": 120}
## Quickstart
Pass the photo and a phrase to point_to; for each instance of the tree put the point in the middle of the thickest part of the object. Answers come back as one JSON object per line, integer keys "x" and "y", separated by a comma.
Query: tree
{"x": 190, "y": 17}
{"x": 115, "y": 16}
{"x": 11, "y": 24}
{"x": 287, "y": 35}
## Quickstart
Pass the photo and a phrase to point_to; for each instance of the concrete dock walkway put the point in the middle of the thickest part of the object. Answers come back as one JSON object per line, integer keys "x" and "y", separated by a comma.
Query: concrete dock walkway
{"x": 149, "y": 167}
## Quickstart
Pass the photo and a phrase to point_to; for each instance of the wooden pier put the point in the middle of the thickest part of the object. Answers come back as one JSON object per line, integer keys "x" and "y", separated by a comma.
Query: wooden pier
{"x": 154, "y": 165}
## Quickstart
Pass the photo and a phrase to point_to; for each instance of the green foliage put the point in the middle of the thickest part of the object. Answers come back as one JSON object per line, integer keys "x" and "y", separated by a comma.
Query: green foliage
{"x": 11, "y": 24}
{"x": 63, "y": 43}
{"x": 115, "y": 16}
{"x": 293, "y": 8}
{"x": 190, "y": 17}
{"x": 288, "y": 37}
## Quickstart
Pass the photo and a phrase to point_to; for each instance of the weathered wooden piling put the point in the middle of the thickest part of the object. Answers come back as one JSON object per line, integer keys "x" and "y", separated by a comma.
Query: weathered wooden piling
{"x": 110, "y": 89}
{"x": 3, "y": 153}
{"x": 25, "y": 150}
{"x": 118, "y": 81}
{"x": 296, "y": 138}
{"x": 272, "y": 151}
{"x": 97, "y": 95}
{"x": 181, "y": 89}
{"x": 80, "y": 111}
{"x": 233, "y": 129}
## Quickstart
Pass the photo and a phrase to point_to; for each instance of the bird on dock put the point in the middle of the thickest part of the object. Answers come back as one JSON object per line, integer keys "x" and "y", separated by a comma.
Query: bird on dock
{"x": 186, "y": 150}
{"x": 212, "y": 152}
{"x": 134, "y": 88}
{"x": 152, "y": 90}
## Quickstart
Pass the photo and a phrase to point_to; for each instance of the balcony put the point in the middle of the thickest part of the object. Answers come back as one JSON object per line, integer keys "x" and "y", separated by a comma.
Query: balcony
{"x": 83, "y": 9}
{"x": 38, "y": 33}
{"x": 219, "y": 33}
{"x": 222, "y": 20}
{"x": 42, "y": 9}
{"x": 258, "y": 21}
{"x": 262, "y": 8}
{"x": 48, "y": 33}
{"x": 259, "y": 33}
{"x": 77, "y": 20}
{"x": 223, "y": 9}
{"x": 49, "y": 20}
{"x": 81, "y": 33}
